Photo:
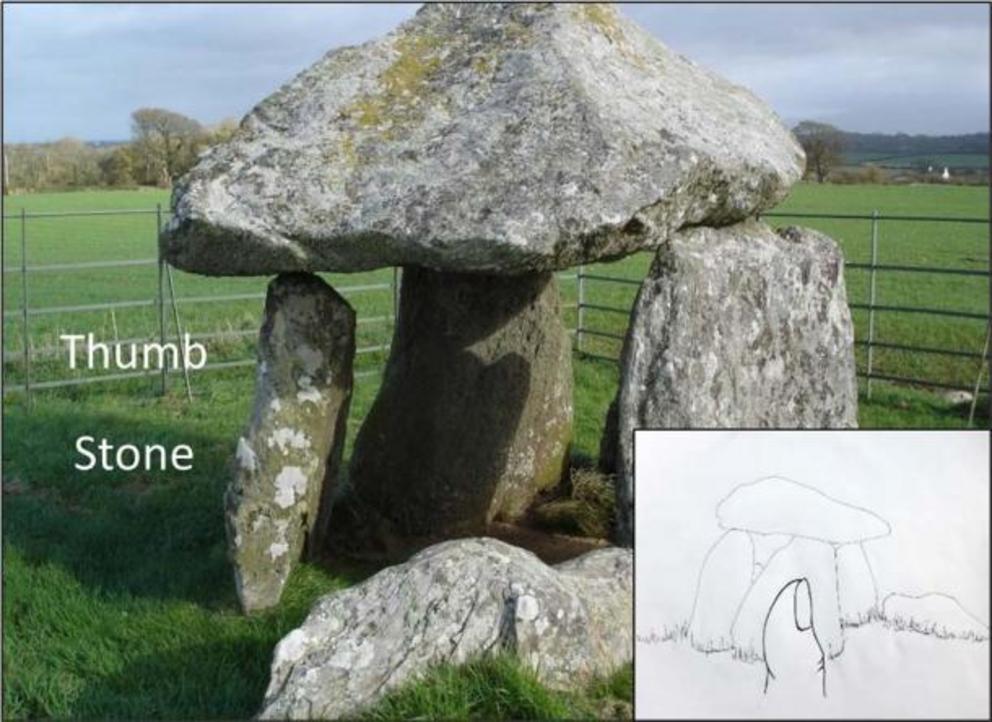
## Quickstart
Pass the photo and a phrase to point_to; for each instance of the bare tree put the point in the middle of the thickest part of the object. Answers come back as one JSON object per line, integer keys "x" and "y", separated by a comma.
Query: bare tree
{"x": 165, "y": 141}
{"x": 823, "y": 144}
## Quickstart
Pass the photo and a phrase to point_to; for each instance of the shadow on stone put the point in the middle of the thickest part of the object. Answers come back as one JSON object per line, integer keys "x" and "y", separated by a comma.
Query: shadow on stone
{"x": 474, "y": 414}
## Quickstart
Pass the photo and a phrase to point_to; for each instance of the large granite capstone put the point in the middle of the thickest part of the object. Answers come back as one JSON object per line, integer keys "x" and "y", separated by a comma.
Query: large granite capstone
{"x": 498, "y": 138}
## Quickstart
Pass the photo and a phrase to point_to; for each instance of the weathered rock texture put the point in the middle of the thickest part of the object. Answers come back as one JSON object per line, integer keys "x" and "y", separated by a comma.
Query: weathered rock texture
{"x": 735, "y": 327}
{"x": 278, "y": 500}
{"x": 449, "y": 604}
{"x": 474, "y": 415}
{"x": 488, "y": 137}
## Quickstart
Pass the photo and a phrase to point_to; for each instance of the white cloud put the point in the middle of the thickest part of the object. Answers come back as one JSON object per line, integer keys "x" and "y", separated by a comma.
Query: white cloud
{"x": 80, "y": 70}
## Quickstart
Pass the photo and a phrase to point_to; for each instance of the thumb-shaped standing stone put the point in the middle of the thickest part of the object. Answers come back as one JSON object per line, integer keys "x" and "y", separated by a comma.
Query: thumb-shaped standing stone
{"x": 278, "y": 500}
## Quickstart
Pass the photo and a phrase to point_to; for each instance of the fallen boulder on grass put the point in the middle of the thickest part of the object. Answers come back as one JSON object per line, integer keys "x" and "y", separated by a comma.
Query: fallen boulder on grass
{"x": 451, "y": 603}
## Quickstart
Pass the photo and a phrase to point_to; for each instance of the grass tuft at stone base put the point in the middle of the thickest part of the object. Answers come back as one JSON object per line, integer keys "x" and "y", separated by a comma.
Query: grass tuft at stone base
{"x": 499, "y": 687}
{"x": 587, "y": 510}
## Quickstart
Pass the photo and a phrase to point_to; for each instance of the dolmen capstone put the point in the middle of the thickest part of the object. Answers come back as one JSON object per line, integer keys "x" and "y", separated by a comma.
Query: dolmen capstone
{"x": 482, "y": 147}
{"x": 453, "y": 603}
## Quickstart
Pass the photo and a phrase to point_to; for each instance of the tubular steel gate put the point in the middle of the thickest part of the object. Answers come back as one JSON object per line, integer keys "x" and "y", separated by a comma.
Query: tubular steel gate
{"x": 867, "y": 369}
{"x": 166, "y": 302}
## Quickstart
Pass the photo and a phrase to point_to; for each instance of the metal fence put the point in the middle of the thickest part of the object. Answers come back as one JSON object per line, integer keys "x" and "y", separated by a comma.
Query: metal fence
{"x": 167, "y": 303}
{"x": 869, "y": 370}
{"x": 163, "y": 299}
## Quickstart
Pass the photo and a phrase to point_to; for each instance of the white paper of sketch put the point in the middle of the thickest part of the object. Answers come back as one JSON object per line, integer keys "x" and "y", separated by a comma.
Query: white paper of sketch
{"x": 812, "y": 574}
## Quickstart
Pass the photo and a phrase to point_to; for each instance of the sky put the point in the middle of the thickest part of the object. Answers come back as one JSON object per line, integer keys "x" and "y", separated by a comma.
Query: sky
{"x": 80, "y": 70}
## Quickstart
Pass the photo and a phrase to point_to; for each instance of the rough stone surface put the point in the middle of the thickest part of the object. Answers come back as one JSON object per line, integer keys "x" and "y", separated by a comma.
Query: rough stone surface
{"x": 736, "y": 327}
{"x": 278, "y": 500}
{"x": 450, "y": 604}
{"x": 490, "y": 137}
{"x": 474, "y": 415}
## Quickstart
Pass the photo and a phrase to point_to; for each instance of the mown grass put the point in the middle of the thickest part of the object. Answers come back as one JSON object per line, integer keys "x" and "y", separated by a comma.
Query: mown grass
{"x": 499, "y": 688}
{"x": 118, "y": 599}
{"x": 118, "y": 596}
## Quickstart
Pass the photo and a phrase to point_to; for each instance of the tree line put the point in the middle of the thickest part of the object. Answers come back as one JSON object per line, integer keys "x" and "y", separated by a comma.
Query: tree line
{"x": 164, "y": 145}
{"x": 826, "y": 146}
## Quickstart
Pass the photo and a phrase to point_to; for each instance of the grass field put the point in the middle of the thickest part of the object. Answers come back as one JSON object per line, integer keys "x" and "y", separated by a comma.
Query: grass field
{"x": 118, "y": 601}
{"x": 106, "y": 238}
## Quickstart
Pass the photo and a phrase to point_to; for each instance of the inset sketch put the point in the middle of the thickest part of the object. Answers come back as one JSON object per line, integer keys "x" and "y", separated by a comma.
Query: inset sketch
{"x": 778, "y": 530}
{"x": 785, "y": 543}
{"x": 809, "y": 594}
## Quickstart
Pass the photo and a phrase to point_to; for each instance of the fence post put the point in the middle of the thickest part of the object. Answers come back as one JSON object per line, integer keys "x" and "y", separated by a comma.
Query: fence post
{"x": 396, "y": 294}
{"x": 982, "y": 365}
{"x": 161, "y": 293}
{"x": 871, "y": 296}
{"x": 580, "y": 307}
{"x": 179, "y": 336}
{"x": 24, "y": 309}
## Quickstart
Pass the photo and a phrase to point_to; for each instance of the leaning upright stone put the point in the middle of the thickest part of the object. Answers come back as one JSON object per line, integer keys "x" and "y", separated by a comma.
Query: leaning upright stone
{"x": 288, "y": 460}
{"x": 736, "y": 327}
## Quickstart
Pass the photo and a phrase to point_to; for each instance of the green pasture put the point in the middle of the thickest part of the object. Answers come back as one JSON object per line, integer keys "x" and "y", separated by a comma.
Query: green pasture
{"x": 118, "y": 600}
{"x": 132, "y": 237}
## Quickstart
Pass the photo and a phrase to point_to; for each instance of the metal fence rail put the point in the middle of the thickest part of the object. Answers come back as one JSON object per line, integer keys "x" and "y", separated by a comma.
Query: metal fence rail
{"x": 869, "y": 372}
{"x": 163, "y": 298}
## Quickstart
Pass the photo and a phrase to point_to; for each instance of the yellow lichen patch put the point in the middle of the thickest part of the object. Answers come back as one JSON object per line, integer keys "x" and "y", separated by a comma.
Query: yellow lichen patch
{"x": 403, "y": 85}
{"x": 604, "y": 18}
{"x": 413, "y": 67}
{"x": 342, "y": 152}
{"x": 482, "y": 65}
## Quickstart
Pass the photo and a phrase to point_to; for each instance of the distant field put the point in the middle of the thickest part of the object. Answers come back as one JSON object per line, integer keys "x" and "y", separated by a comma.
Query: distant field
{"x": 101, "y": 238}
{"x": 938, "y": 160}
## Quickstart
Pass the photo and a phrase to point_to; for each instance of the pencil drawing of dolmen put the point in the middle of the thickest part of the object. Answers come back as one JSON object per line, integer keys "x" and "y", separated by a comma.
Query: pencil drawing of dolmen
{"x": 482, "y": 147}
{"x": 778, "y": 530}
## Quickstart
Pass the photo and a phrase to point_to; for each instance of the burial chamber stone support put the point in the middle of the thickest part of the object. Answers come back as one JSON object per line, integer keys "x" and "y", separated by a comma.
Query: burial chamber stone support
{"x": 734, "y": 327}
{"x": 474, "y": 416}
{"x": 287, "y": 461}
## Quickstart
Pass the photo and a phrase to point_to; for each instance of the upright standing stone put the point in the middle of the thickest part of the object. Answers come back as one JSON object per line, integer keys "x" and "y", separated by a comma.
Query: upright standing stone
{"x": 278, "y": 500}
{"x": 474, "y": 416}
{"x": 736, "y": 327}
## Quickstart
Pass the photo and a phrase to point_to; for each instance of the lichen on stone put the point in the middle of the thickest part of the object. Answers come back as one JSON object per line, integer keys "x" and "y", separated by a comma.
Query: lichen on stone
{"x": 403, "y": 86}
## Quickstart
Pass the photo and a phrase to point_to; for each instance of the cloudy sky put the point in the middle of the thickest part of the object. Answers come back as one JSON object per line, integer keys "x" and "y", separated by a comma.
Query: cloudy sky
{"x": 79, "y": 70}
